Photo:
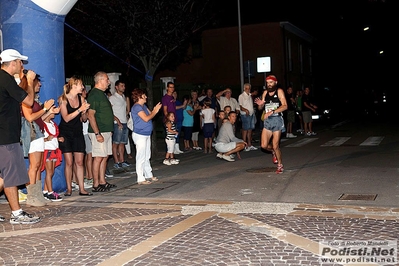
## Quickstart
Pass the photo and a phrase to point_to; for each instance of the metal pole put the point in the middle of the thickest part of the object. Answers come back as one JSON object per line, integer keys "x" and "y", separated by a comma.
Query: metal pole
{"x": 240, "y": 46}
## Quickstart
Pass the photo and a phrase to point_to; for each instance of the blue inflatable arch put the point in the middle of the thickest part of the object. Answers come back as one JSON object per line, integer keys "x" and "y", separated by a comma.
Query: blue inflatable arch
{"x": 36, "y": 29}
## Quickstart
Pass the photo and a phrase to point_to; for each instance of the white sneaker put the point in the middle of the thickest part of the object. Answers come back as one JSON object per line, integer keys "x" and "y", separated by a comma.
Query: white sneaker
{"x": 219, "y": 155}
{"x": 173, "y": 161}
{"x": 88, "y": 183}
{"x": 228, "y": 158}
{"x": 24, "y": 218}
{"x": 167, "y": 162}
{"x": 247, "y": 149}
{"x": 252, "y": 148}
{"x": 108, "y": 173}
{"x": 75, "y": 186}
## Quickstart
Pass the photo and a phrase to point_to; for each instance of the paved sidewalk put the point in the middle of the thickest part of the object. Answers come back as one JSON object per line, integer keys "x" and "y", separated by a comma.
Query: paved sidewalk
{"x": 119, "y": 230}
{"x": 181, "y": 220}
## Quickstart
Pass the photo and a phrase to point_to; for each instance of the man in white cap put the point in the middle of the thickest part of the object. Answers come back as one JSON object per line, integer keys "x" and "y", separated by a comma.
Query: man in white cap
{"x": 13, "y": 172}
{"x": 274, "y": 102}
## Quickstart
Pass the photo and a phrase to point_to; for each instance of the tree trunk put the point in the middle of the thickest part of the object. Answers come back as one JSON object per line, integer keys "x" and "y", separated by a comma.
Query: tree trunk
{"x": 150, "y": 104}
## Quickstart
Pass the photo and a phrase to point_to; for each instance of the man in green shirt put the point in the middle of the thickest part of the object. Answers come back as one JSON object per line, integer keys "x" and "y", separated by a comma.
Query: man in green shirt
{"x": 101, "y": 125}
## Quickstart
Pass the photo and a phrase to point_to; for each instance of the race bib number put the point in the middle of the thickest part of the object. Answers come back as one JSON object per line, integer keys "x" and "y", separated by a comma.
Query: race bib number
{"x": 271, "y": 106}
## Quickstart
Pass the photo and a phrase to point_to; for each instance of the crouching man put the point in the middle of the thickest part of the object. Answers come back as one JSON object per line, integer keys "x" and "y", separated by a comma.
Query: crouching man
{"x": 226, "y": 142}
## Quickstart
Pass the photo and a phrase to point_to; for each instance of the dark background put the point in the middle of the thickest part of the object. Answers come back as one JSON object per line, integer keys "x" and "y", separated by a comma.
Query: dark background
{"x": 348, "y": 65}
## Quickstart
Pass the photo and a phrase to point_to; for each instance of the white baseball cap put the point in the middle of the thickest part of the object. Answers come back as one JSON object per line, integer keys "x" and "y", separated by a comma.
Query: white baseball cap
{"x": 9, "y": 55}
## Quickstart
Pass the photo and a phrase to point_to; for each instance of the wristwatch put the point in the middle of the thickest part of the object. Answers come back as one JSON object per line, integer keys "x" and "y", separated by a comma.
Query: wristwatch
{"x": 98, "y": 133}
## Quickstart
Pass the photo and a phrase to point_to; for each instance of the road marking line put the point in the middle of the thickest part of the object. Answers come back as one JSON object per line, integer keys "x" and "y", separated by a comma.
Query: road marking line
{"x": 302, "y": 142}
{"x": 336, "y": 141}
{"x": 372, "y": 141}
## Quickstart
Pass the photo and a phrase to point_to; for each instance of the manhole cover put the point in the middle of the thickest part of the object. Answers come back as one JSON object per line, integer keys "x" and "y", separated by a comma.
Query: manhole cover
{"x": 368, "y": 197}
{"x": 261, "y": 170}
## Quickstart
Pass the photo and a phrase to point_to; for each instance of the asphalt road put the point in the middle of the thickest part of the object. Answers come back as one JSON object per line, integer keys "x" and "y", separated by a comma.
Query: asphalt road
{"x": 347, "y": 163}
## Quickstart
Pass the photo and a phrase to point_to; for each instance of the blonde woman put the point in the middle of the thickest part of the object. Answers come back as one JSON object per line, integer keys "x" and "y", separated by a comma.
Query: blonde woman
{"x": 73, "y": 109}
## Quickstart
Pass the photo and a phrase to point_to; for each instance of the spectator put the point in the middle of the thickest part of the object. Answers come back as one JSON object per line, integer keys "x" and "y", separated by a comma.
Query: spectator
{"x": 308, "y": 107}
{"x": 179, "y": 120}
{"x": 170, "y": 139}
{"x": 12, "y": 174}
{"x": 188, "y": 122}
{"x": 120, "y": 134}
{"x": 208, "y": 120}
{"x": 128, "y": 146}
{"x": 33, "y": 142}
{"x": 88, "y": 158}
{"x": 226, "y": 142}
{"x": 247, "y": 116}
{"x": 221, "y": 118}
{"x": 52, "y": 156}
{"x": 197, "y": 120}
{"x": 168, "y": 101}
{"x": 101, "y": 125}
{"x": 258, "y": 121}
{"x": 214, "y": 105}
{"x": 73, "y": 109}
{"x": 289, "y": 96}
{"x": 298, "y": 103}
{"x": 142, "y": 130}
{"x": 224, "y": 98}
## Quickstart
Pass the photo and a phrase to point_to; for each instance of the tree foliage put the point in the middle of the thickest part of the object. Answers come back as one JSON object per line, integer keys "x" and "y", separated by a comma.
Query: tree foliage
{"x": 143, "y": 34}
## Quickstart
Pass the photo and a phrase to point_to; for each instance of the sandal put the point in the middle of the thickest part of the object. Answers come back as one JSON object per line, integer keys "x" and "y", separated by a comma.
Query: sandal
{"x": 146, "y": 182}
{"x": 85, "y": 194}
{"x": 152, "y": 179}
{"x": 100, "y": 188}
{"x": 108, "y": 185}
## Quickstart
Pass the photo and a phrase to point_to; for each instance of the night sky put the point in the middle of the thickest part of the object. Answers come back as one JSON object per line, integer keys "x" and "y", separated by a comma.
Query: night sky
{"x": 347, "y": 55}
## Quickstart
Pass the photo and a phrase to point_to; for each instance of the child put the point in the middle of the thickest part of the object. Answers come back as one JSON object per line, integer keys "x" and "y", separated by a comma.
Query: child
{"x": 208, "y": 125}
{"x": 222, "y": 116}
{"x": 188, "y": 123}
{"x": 227, "y": 110}
{"x": 170, "y": 139}
{"x": 52, "y": 155}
